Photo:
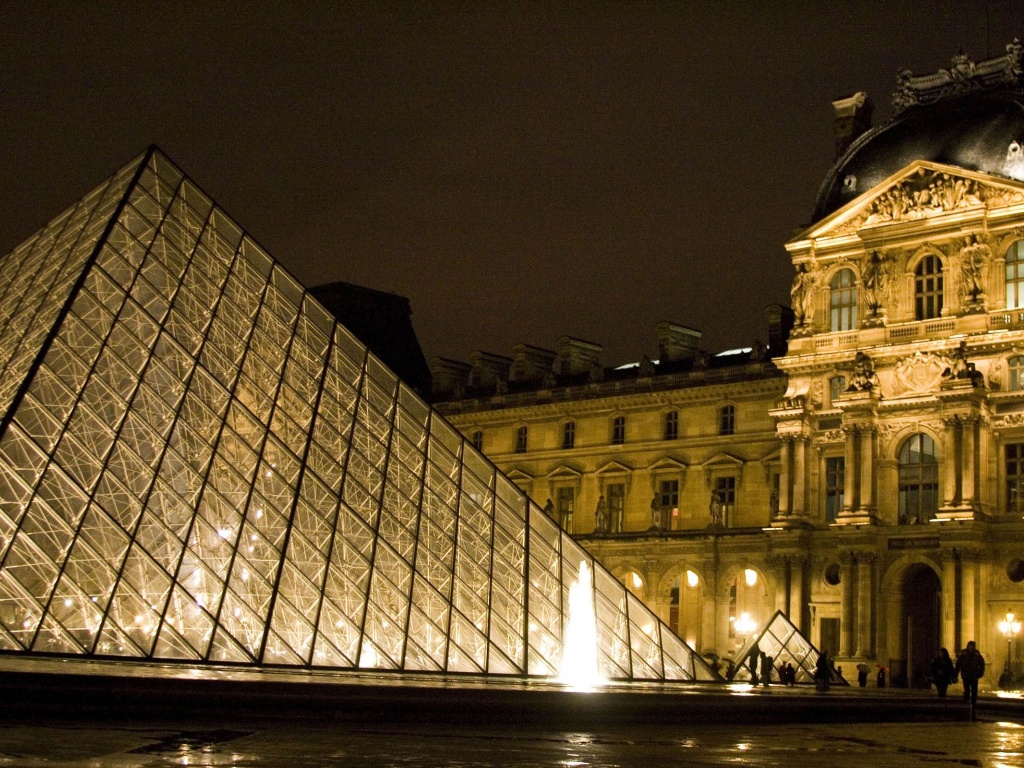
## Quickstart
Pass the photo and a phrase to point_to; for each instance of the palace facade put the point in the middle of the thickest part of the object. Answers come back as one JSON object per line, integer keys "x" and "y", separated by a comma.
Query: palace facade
{"x": 864, "y": 473}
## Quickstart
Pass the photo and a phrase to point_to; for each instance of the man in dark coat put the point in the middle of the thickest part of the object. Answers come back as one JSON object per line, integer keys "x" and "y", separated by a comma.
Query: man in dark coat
{"x": 970, "y": 667}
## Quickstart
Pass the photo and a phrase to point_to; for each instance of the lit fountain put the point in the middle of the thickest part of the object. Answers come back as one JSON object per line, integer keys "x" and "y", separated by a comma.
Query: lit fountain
{"x": 578, "y": 668}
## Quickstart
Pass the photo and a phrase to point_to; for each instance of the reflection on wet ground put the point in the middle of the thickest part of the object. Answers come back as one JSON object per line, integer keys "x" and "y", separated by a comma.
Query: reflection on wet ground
{"x": 302, "y": 745}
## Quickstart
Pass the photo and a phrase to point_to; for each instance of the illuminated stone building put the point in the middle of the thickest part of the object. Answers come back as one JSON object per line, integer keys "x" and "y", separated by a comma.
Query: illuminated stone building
{"x": 868, "y": 479}
{"x": 199, "y": 464}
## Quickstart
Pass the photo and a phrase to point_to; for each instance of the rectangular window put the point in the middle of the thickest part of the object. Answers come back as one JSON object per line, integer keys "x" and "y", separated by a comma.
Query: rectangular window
{"x": 616, "y": 506}
{"x": 619, "y": 430}
{"x": 1015, "y": 478}
{"x": 521, "y": 440}
{"x": 834, "y": 484}
{"x": 569, "y": 434}
{"x": 566, "y": 507}
{"x": 672, "y": 425}
{"x": 478, "y": 440}
{"x": 725, "y": 489}
{"x": 669, "y": 495}
{"x": 727, "y": 422}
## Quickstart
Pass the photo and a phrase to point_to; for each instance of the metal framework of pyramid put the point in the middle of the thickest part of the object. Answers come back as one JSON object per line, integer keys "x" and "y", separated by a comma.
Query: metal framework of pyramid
{"x": 198, "y": 463}
{"x": 781, "y": 640}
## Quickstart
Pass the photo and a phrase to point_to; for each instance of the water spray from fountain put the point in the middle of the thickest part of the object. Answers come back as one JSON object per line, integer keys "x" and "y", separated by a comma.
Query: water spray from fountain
{"x": 579, "y": 651}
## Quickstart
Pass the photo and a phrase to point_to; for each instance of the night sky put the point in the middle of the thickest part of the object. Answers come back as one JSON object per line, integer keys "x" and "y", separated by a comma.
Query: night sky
{"x": 519, "y": 171}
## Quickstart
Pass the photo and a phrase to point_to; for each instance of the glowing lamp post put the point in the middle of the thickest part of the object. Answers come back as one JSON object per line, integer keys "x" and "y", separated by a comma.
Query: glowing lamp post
{"x": 1010, "y": 628}
{"x": 744, "y": 625}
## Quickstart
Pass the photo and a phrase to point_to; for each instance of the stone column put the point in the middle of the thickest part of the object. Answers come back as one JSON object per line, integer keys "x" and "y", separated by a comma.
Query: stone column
{"x": 800, "y": 476}
{"x": 867, "y": 469}
{"x": 796, "y": 592}
{"x": 865, "y": 605}
{"x": 951, "y": 464}
{"x": 968, "y": 598}
{"x": 949, "y": 602}
{"x": 786, "y": 477}
{"x": 846, "y": 616}
{"x": 851, "y": 495}
{"x": 968, "y": 449}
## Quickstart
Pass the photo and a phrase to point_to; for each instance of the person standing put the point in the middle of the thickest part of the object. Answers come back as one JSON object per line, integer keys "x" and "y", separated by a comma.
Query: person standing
{"x": 823, "y": 672}
{"x": 942, "y": 672}
{"x": 970, "y": 667}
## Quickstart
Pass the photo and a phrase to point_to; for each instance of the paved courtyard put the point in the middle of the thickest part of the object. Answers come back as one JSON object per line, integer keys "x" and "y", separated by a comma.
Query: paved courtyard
{"x": 296, "y": 745}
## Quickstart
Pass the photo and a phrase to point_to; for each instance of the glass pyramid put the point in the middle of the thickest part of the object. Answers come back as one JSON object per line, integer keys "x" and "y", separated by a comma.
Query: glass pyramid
{"x": 197, "y": 463}
{"x": 781, "y": 640}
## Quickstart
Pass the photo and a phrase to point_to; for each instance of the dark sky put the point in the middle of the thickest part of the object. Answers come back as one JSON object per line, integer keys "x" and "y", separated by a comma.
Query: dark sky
{"x": 519, "y": 171}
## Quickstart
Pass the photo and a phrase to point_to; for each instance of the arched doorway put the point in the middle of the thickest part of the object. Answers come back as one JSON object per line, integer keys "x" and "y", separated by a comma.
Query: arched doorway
{"x": 921, "y": 602}
{"x": 686, "y": 607}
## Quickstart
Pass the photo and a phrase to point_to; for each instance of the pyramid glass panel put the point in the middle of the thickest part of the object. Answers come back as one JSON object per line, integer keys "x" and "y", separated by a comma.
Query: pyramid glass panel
{"x": 781, "y": 640}
{"x": 197, "y": 463}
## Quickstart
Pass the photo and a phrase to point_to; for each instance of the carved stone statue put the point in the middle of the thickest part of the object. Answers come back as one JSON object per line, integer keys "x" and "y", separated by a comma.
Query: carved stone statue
{"x": 656, "y": 513}
{"x": 864, "y": 378}
{"x": 960, "y": 368}
{"x": 802, "y": 293}
{"x": 716, "y": 510}
{"x": 646, "y": 367}
{"x": 974, "y": 258}
{"x": 875, "y": 278}
{"x": 601, "y": 516}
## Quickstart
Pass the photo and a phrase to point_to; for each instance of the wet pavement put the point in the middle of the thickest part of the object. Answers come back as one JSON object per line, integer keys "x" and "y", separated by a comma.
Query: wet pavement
{"x": 298, "y": 745}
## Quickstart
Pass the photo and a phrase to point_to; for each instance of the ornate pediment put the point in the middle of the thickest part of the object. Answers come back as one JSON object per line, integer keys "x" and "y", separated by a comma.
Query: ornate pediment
{"x": 922, "y": 190}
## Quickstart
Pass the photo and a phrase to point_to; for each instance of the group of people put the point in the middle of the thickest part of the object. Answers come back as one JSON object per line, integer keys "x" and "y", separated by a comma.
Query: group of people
{"x": 969, "y": 668}
{"x": 761, "y": 666}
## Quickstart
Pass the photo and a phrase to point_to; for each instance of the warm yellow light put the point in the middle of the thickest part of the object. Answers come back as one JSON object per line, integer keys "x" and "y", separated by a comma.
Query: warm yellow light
{"x": 751, "y": 576}
{"x": 68, "y": 602}
{"x": 579, "y": 666}
{"x": 745, "y": 625}
{"x": 692, "y": 579}
{"x": 1010, "y": 627}
{"x": 637, "y": 581}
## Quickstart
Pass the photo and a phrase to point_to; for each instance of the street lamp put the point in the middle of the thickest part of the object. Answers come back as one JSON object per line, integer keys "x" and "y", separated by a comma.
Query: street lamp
{"x": 1010, "y": 628}
{"x": 745, "y": 625}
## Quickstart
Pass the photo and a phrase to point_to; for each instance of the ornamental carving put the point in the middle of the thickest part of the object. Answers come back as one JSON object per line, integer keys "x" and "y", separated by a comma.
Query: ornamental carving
{"x": 833, "y": 436}
{"x": 1009, "y": 420}
{"x": 802, "y": 293}
{"x": 878, "y": 275}
{"x": 918, "y": 374}
{"x": 974, "y": 260}
{"x": 930, "y": 193}
{"x": 962, "y": 76}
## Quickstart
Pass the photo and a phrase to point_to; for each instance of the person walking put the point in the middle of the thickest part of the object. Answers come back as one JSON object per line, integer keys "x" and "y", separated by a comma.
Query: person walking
{"x": 942, "y": 672}
{"x": 970, "y": 667}
{"x": 823, "y": 672}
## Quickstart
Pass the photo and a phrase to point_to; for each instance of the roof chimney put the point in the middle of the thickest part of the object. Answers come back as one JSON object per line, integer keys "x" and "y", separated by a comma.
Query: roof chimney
{"x": 676, "y": 343}
{"x": 577, "y": 356}
{"x": 853, "y": 117}
{"x": 448, "y": 377}
{"x": 489, "y": 369}
{"x": 531, "y": 363}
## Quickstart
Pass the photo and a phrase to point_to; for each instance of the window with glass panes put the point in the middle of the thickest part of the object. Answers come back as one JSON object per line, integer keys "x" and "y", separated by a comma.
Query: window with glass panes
{"x": 727, "y": 420}
{"x": 521, "y": 435}
{"x": 1015, "y": 276}
{"x": 569, "y": 434}
{"x": 918, "y": 479}
{"x": 834, "y": 477}
{"x": 928, "y": 288}
{"x": 618, "y": 430}
{"x": 1015, "y": 478}
{"x": 843, "y": 301}
{"x": 1015, "y": 368}
{"x": 616, "y": 495}
{"x": 478, "y": 440}
{"x": 725, "y": 489}
{"x": 672, "y": 425}
{"x": 566, "y": 506}
{"x": 836, "y": 387}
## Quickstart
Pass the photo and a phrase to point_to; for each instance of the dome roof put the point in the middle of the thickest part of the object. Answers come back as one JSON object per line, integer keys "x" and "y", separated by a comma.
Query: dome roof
{"x": 978, "y": 131}
{"x": 970, "y": 115}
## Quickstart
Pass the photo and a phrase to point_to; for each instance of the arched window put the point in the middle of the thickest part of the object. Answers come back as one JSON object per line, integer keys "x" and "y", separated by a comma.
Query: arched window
{"x": 1015, "y": 367}
{"x": 919, "y": 479}
{"x": 843, "y": 301}
{"x": 1015, "y": 276}
{"x": 928, "y": 288}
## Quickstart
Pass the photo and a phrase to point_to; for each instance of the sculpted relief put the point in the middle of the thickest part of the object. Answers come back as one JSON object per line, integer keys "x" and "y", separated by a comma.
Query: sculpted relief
{"x": 929, "y": 193}
{"x": 919, "y": 373}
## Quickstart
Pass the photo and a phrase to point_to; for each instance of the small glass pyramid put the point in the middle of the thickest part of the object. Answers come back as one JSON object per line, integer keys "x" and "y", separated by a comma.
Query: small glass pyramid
{"x": 781, "y": 640}
{"x": 198, "y": 463}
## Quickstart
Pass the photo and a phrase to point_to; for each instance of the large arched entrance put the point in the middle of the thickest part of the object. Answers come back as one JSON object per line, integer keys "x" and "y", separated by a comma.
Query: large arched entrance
{"x": 921, "y": 626}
